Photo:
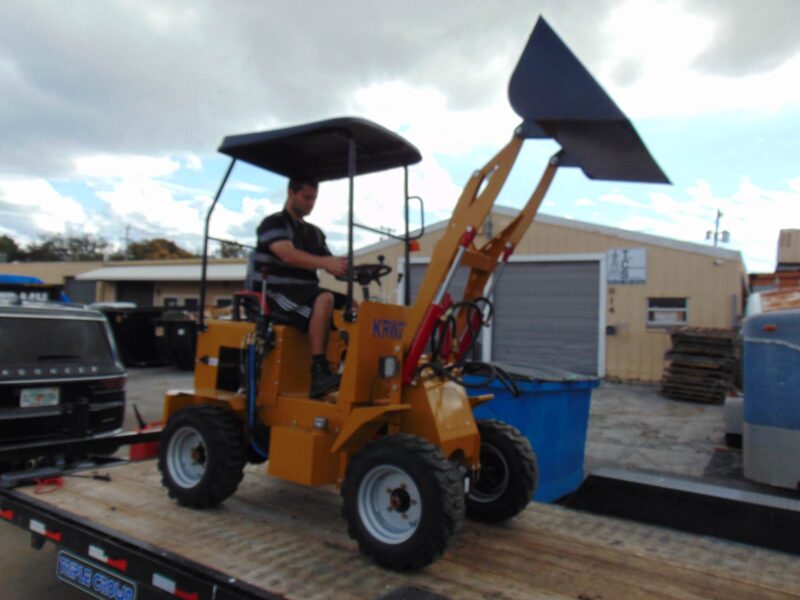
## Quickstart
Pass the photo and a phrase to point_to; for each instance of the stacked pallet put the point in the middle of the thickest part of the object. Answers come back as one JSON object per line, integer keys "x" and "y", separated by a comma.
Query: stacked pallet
{"x": 703, "y": 364}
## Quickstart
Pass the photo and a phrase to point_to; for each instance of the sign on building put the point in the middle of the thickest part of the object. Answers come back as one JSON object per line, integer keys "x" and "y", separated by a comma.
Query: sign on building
{"x": 626, "y": 265}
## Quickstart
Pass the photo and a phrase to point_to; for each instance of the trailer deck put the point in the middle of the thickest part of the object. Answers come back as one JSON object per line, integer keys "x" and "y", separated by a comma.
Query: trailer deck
{"x": 276, "y": 539}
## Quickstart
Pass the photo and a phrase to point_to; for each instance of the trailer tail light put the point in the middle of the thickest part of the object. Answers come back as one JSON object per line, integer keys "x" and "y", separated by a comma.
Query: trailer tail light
{"x": 40, "y": 528}
{"x": 168, "y": 585}
{"x": 8, "y": 515}
{"x": 97, "y": 553}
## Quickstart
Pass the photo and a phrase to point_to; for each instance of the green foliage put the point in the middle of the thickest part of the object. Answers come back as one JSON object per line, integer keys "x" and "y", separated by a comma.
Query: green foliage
{"x": 57, "y": 247}
{"x": 231, "y": 250}
{"x": 9, "y": 247}
{"x": 155, "y": 249}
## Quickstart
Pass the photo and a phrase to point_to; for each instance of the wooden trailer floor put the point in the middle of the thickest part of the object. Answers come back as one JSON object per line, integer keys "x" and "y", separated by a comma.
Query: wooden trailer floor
{"x": 292, "y": 541}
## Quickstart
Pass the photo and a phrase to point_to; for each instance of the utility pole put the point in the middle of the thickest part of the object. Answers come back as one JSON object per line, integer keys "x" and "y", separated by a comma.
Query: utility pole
{"x": 717, "y": 235}
{"x": 127, "y": 241}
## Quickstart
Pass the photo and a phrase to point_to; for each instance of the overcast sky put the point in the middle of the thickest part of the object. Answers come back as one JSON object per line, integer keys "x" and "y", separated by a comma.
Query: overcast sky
{"x": 112, "y": 110}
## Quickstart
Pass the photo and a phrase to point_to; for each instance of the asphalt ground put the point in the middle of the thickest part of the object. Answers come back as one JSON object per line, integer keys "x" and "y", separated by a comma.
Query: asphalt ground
{"x": 630, "y": 426}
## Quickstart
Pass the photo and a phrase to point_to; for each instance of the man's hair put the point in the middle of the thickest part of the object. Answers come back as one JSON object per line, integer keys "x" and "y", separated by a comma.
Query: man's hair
{"x": 296, "y": 183}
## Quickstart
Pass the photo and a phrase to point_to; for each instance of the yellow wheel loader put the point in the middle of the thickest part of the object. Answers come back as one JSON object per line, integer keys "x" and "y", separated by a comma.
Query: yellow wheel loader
{"x": 398, "y": 437}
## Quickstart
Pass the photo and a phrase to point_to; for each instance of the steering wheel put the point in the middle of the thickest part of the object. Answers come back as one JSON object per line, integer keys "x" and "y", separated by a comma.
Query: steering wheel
{"x": 366, "y": 273}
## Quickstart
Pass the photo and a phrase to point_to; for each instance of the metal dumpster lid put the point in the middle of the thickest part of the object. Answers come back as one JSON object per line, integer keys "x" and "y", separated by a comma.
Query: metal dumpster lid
{"x": 528, "y": 373}
{"x": 558, "y": 98}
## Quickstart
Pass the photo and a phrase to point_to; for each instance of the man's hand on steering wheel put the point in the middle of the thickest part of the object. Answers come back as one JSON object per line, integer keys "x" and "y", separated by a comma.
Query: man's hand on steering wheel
{"x": 364, "y": 274}
{"x": 336, "y": 266}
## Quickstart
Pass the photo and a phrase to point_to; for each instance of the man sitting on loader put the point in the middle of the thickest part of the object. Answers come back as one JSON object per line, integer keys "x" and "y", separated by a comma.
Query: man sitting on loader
{"x": 290, "y": 251}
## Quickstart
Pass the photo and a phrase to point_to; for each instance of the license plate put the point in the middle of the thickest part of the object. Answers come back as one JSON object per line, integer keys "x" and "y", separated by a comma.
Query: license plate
{"x": 39, "y": 397}
{"x": 93, "y": 579}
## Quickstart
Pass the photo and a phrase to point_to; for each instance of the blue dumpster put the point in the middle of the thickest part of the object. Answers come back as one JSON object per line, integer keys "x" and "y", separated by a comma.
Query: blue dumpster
{"x": 552, "y": 411}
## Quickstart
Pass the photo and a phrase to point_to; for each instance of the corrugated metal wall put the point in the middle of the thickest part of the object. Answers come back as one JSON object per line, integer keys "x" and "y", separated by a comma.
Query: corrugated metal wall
{"x": 546, "y": 313}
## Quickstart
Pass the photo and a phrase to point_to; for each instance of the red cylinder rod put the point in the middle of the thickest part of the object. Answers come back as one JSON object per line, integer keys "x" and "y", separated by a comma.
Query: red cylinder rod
{"x": 429, "y": 321}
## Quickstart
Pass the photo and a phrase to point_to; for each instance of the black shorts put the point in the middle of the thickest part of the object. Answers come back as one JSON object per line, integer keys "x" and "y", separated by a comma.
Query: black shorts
{"x": 294, "y": 302}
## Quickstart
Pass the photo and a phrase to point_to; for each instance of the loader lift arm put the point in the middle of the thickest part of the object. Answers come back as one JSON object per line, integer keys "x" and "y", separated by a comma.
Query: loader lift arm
{"x": 557, "y": 98}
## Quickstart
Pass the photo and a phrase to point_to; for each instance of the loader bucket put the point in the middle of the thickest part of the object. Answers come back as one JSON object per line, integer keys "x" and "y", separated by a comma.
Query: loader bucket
{"x": 558, "y": 98}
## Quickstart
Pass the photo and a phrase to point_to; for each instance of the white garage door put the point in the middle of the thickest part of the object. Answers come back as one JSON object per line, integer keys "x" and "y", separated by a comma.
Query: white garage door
{"x": 547, "y": 313}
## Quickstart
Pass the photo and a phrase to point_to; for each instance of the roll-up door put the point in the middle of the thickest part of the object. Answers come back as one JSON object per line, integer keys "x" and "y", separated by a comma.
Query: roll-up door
{"x": 547, "y": 314}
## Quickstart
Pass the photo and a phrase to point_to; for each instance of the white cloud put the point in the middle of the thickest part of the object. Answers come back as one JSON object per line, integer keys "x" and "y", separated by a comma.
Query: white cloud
{"x": 33, "y": 205}
{"x": 668, "y": 81}
{"x": 193, "y": 163}
{"x": 752, "y": 214}
{"x": 621, "y": 199}
{"x": 426, "y": 117}
{"x": 107, "y": 166}
{"x": 584, "y": 202}
{"x": 244, "y": 186}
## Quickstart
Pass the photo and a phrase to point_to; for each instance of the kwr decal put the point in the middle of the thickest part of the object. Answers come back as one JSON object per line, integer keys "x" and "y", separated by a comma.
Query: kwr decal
{"x": 386, "y": 328}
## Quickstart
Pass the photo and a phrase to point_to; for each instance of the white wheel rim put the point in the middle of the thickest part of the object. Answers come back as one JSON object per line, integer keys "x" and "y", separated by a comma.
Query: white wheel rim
{"x": 496, "y": 458}
{"x": 389, "y": 504}
{"x": 186, "y": 457}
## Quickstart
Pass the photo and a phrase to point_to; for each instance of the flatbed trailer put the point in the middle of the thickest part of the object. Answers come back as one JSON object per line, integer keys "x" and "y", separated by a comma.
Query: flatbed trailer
{"x": 125, "y": 539}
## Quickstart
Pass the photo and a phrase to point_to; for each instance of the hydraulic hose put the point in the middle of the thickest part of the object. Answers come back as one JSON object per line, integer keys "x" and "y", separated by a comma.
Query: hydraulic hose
{"x": 252, "y": 417}
{"x": 478, "y": 313}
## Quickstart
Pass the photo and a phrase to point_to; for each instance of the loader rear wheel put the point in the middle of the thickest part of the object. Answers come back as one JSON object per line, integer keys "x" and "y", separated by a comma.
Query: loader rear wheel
{"x": 201, "y": 456}
{"x": 403, "y": 500}
{"x": 508, "y": 474}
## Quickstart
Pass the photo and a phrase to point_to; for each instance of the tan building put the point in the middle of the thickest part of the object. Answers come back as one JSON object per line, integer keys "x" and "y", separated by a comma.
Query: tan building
{"x": 58, "y": 273}
{"x": 578, "y": 296}
{"x": 167, "y": 282}
{"x": 590, "y": 298}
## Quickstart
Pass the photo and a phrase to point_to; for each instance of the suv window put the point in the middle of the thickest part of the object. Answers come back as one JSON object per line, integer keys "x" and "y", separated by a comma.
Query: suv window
{"x": 32, "y": 341}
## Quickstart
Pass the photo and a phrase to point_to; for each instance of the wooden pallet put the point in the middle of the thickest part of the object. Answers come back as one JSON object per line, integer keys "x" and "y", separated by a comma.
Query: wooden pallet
{"x": 703, "y": 364}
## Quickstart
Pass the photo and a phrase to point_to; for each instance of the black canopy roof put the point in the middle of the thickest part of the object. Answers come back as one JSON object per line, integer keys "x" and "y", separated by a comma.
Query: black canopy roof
{"x": 558, "y": 98}
{"x": 320, "y": 149}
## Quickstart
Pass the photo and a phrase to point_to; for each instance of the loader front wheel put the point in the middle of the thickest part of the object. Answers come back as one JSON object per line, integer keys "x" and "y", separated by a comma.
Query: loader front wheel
{"x": 403, "y": 500}
{"x": 201, "y": 456}
{"x": 508, "y": 474}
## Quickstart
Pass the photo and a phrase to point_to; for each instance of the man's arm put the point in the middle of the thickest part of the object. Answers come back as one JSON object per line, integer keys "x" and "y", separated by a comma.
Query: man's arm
{"x": 286, "y": 252}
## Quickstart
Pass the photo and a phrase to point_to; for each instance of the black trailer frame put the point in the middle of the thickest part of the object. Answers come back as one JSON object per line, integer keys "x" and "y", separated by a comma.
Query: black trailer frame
{"x": 156, "y": 574}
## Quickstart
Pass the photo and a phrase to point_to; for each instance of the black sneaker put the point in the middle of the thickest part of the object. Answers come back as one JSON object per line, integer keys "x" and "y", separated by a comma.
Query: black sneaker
{"x": 323, "y": 381}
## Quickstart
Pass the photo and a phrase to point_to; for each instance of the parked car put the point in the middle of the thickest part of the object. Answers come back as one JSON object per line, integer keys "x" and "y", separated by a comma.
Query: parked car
{"x": 60, "y": 375}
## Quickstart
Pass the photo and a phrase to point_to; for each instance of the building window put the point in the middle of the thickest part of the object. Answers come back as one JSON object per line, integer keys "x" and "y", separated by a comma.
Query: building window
{"x": 190, "y": 303}
{"x": 171, "y": 302}
{"x": 665, "y": 312}
{"x": 223, "y": 302}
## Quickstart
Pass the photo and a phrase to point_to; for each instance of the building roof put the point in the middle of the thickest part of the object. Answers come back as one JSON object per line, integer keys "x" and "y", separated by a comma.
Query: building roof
{"x": 173, "y": 272}
{"x": 623, "y": 234}
{"x": 236, "y": 271}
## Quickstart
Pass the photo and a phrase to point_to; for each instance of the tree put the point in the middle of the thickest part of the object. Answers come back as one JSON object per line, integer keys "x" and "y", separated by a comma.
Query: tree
{"x": 232, "y": 250}
{"x": 9, "y": 247}
{"x": 155, "y": 249}
{"x": 57, "y": 247}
